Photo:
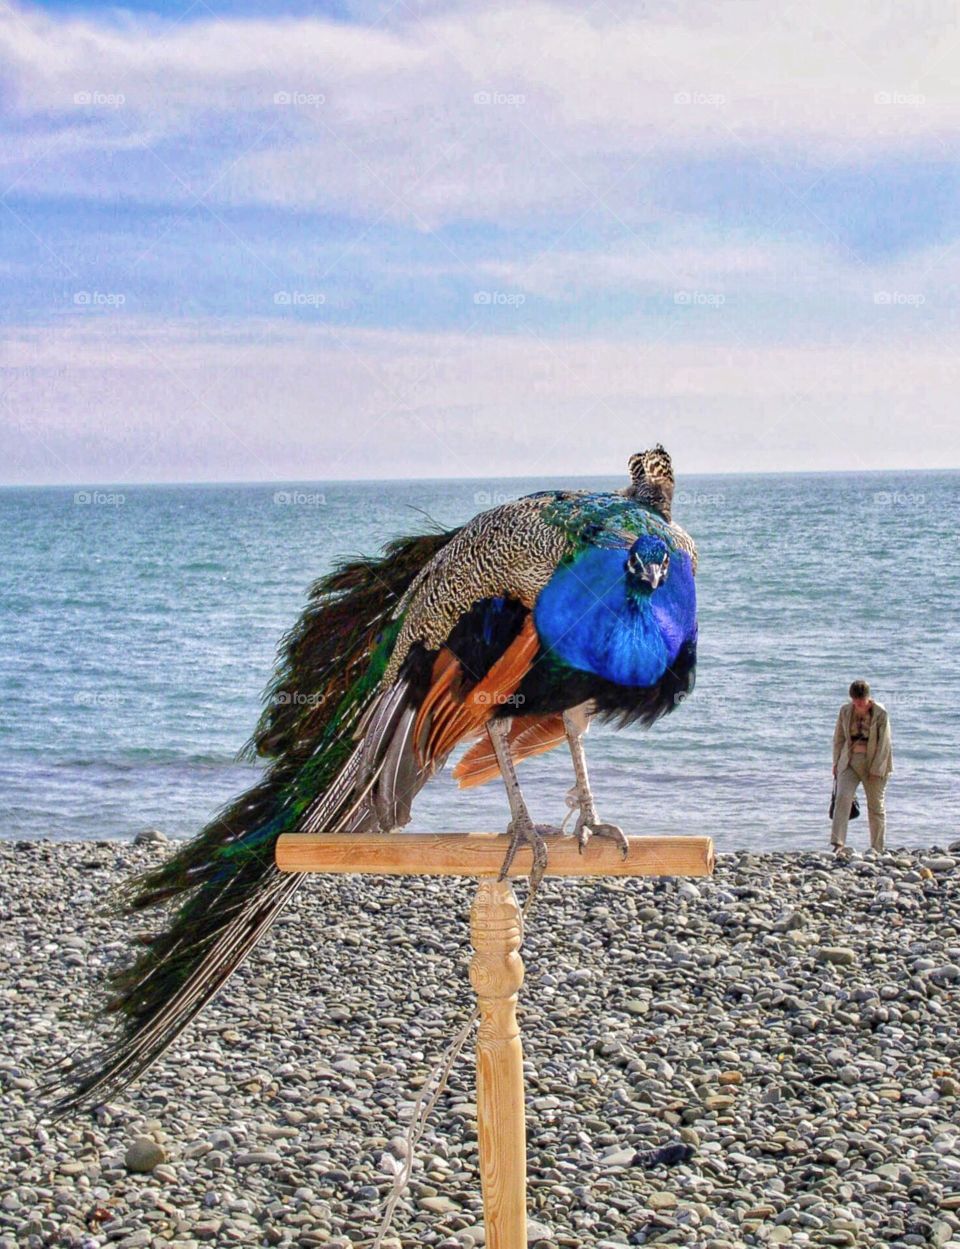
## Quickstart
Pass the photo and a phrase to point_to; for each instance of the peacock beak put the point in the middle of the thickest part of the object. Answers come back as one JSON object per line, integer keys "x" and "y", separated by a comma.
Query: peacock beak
{"x": 652, "y": 574}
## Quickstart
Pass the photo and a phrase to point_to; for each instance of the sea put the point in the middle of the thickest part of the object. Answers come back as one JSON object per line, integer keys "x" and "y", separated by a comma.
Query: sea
{"x": 139, "y": 627}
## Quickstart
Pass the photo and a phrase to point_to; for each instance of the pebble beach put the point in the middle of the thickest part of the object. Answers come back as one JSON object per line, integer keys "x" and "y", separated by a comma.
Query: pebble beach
{"x": 794, "y": 1020}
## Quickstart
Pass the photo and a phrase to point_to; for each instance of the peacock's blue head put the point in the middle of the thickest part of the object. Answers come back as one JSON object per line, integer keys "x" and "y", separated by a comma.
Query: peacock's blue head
{"x": 647, "y": 564}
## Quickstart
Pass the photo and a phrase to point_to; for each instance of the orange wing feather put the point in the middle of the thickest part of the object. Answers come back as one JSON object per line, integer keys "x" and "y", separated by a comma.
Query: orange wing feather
{"x": 444, "y": 720}
{"x": 529, "y": 735}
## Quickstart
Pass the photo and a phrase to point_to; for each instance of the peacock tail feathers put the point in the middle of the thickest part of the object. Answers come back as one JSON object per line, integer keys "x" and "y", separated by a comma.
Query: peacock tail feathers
{"x": 223, "y": 886}
{"x": 346, "y": 614}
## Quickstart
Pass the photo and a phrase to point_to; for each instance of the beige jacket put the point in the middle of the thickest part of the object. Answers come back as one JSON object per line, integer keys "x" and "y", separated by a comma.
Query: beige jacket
{"x": 879, "y": 743}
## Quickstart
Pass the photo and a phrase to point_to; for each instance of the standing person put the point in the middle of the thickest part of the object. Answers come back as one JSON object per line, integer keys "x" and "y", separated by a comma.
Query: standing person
{"x": 862, "y": 755}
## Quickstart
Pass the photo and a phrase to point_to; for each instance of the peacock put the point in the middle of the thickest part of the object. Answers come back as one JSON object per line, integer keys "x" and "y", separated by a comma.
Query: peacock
{"x": 508, "y": 634}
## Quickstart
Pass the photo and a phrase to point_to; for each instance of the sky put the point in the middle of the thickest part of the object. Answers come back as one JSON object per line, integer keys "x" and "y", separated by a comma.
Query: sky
{"x": 290, "y": 241}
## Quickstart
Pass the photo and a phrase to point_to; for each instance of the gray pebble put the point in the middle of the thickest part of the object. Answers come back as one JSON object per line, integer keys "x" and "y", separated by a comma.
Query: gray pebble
{"x": 143, "y": 1155}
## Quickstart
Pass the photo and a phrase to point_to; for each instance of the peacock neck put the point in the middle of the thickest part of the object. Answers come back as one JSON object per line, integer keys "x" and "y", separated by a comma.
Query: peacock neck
{"x": 652, "y": 495}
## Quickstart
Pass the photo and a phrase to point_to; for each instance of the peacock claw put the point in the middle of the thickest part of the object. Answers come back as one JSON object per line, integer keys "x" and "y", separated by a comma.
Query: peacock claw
{"x": 586, "y": 829}
{"x": 525, "y": 832}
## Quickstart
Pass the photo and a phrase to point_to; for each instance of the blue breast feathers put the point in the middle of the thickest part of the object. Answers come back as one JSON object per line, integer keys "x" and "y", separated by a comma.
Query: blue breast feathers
{"x": 590, "y": 617}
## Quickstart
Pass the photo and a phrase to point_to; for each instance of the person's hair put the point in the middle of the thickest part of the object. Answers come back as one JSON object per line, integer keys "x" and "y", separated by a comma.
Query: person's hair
{"x": 859, "y": 689}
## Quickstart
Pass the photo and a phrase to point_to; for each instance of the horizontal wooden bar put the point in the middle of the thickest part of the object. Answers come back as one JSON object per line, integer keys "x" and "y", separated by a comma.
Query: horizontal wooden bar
{"x": 481, "y": 854}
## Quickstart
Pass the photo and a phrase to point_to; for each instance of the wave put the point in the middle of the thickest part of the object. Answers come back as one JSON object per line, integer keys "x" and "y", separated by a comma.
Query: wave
{"x": 136, "y": 760}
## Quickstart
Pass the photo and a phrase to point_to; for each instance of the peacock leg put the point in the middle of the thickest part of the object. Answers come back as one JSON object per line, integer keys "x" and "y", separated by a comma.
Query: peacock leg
{"x": 521, "y": 827}
{"x": 589, "y": 824}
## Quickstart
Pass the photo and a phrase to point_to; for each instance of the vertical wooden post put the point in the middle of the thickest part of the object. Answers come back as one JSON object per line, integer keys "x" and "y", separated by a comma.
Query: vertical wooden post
{"x": 496, "y": 973}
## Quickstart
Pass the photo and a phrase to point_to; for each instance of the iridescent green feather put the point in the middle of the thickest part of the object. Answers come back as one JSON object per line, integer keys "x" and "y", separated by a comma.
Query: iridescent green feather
{"x": 605, "y": 520}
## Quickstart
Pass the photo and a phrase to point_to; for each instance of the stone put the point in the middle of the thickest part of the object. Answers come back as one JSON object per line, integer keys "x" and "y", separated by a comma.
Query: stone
{"x": 619, "y": 1158}
{"x": 143, "y": 1155}
{"x": 662, "y": 1200}
{"x": 150, "y": 837}
{"x": 840, "y": 955}
{"x": 438, "y": 1205}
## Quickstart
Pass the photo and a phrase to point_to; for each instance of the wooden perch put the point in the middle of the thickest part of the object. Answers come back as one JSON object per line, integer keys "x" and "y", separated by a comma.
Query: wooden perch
{"x": 482, "y": 854}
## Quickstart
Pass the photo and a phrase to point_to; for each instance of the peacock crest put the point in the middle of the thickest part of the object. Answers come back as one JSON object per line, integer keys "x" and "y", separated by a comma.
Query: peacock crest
{"x": 651, "y": 479}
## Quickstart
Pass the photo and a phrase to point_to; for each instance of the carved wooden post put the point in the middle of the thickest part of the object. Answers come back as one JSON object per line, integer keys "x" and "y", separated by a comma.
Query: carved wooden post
{"x": 496, "y": 973}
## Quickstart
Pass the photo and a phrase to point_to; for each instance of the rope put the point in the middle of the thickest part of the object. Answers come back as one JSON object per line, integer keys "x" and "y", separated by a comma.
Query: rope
{"x": 424, "y": 1107}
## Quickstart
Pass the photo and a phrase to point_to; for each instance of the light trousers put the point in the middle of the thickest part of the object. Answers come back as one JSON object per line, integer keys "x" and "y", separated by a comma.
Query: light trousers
{"x": 847, "y": 782}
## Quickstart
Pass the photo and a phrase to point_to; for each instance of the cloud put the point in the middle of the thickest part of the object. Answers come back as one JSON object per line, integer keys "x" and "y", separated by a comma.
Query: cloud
{"x": 260, "y": 401}
{"x": 482, "y": 113}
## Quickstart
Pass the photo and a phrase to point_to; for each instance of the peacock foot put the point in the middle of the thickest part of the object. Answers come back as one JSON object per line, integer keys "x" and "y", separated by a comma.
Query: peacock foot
{"x": 524, "y": 832}
{"x": 589, "y": 826}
